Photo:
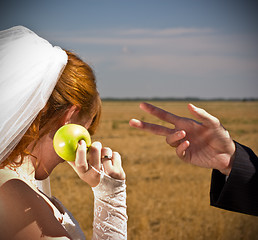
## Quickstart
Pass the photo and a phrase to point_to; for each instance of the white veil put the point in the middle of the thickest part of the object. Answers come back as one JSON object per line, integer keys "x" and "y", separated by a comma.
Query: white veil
{"x": 29, "y": 69}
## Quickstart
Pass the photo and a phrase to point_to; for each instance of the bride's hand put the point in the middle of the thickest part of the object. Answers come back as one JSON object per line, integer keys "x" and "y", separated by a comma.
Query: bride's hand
{"x": 88, "y": 166}
{"x": 112, "y": 163}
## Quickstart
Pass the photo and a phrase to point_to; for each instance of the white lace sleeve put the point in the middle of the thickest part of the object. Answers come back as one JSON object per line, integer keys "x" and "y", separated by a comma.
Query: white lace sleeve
{"x": 110, "y": 217}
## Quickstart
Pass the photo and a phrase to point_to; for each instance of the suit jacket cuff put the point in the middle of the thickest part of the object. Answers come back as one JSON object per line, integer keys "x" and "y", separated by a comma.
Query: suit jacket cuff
{"x": 240, "y": 191}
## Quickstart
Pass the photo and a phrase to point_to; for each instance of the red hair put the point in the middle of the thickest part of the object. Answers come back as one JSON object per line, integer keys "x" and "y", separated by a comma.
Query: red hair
{"x": 76, "y": 86}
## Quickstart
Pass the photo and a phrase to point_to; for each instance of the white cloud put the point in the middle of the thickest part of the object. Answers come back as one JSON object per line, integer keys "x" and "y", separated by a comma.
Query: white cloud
{"x": 188, "y": 54}
{"x": 196, "y": 66}
{"x": 165, "y": 32}
{"x": 171, "y": 40}
{"x": 130, "y": 36}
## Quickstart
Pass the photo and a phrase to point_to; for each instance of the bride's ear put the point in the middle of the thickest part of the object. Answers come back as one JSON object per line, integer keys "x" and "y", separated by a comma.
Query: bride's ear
{"x": 71, "y": 115}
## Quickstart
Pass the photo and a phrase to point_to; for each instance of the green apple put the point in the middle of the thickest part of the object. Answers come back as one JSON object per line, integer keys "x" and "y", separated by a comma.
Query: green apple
{"x": 66, "y": 140}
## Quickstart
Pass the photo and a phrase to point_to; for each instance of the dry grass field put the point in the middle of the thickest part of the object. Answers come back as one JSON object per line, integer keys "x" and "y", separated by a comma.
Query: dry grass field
{"x": 167, "y": 198}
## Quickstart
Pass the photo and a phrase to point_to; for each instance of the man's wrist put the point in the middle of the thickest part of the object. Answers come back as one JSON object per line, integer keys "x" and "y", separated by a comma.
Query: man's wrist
{"x": 226, "y": 171}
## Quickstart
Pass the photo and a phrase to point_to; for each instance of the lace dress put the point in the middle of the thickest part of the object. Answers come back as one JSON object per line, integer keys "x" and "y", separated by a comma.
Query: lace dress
{"x": 110, "y": 217}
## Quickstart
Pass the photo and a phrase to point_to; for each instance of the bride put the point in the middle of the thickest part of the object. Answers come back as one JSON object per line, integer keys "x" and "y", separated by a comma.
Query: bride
{"x": 42, "y": 88}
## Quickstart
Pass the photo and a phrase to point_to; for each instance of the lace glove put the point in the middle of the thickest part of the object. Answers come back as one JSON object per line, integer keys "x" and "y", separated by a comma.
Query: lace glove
{"x": 110, "y": 217}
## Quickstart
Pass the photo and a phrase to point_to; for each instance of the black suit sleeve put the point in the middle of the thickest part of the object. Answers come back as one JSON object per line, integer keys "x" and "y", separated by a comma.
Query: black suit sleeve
{"x": 240, "y": 192}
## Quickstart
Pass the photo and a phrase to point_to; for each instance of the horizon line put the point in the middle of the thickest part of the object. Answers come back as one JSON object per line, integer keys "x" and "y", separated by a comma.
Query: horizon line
{"x": 176, "y": 99}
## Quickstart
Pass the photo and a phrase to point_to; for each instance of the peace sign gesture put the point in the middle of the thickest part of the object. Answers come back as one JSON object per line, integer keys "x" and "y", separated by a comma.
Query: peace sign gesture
{"x": 205, "y": 143}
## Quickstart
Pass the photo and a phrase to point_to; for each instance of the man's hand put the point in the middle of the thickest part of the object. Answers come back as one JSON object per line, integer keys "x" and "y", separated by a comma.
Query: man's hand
{"x": 204, "y": 144}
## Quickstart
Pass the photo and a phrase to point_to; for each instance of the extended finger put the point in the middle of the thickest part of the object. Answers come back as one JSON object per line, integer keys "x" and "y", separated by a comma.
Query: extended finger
{"x": 159, "y": 113}
{"x": 117, "y": 170}
{"x": 80, "y": 164}
{"x": 207, "y": 119}
{"x": 117, "y": 162}
{"x": 95, "y": 155}
{"x": 106, "y": 153}
{"x": 150, "y": 127}
{"x": 106, "y": 157}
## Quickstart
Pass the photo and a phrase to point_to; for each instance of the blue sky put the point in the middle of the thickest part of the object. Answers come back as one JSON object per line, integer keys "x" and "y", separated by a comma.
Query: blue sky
{"x": 137, "y": 48}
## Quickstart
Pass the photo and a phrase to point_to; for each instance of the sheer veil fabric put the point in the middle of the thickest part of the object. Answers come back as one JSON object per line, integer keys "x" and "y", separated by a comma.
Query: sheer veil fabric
{"x": 29, "y": 69}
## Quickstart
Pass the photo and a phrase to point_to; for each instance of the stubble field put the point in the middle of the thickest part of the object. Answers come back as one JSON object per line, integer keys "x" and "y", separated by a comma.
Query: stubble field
{"x": 166, "y": 198}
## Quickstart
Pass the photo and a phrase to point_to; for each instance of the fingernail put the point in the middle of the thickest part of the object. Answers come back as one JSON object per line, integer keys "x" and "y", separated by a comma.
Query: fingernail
{"x": 82, "y": 143}
{"x": 135, "y": 122}
{"x": 180, "y": 133}
{"x": 193, "y": 106}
